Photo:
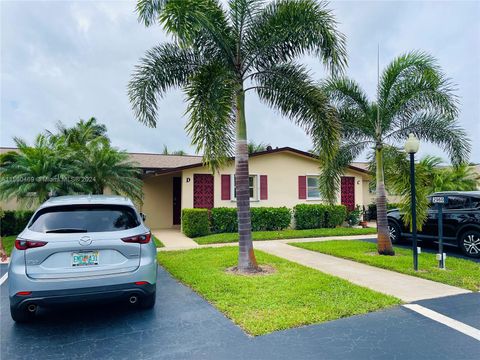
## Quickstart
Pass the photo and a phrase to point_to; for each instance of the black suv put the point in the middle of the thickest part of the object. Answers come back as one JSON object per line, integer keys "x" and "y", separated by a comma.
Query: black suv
{"x": 461, "y": 222}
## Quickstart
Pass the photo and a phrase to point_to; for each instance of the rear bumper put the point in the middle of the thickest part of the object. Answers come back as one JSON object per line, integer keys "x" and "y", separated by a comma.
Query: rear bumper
{"x": 86, "y": 295}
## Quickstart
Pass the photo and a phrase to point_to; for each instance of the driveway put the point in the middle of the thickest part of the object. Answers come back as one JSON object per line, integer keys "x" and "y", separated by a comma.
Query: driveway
{"x": 184, "y": 326}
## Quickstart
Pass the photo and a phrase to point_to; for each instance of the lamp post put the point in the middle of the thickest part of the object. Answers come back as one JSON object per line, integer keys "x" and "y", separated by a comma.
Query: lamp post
{"x": 411, "y": 147}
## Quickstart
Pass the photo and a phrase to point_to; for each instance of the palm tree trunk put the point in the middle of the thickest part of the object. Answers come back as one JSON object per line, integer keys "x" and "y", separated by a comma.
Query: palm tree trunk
{"x": 384, "y": 245}
{"x": 246, "y": 256}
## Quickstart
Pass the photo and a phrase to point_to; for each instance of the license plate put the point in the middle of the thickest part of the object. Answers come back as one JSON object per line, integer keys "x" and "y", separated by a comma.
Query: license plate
{"x": 89, "y": 258}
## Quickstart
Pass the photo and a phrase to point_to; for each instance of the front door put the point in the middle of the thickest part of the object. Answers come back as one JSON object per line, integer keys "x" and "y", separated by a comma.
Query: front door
{"x": 177, "y": 200}
{"x": 203, "y": 191}
{"x": 347, "y": 192}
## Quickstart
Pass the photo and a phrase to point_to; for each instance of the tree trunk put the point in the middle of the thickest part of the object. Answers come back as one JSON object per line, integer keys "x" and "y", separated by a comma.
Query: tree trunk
{"x": 246, "y": 256}
{"x": 384, "y": 245}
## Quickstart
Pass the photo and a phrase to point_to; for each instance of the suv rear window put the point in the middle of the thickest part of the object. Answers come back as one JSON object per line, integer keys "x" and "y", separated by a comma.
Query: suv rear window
{"x": 84, "y": 218}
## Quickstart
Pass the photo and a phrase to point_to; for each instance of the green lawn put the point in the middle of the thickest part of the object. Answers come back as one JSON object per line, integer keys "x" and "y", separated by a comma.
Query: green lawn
{"x": 460, "y": 272}
{"x": 158, "y": 243}
{"x": 284, "y": 234}
{"x": 8, "y": 242}
{"x": 293, "y": 296}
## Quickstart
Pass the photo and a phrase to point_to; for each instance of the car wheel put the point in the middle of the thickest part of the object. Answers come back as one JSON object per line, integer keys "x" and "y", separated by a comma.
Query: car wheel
{"x": 21, "y": 315}
{"x": 148, "y": 302}
{"x": 469, "y": 243}
{"x": 394, "y": 232}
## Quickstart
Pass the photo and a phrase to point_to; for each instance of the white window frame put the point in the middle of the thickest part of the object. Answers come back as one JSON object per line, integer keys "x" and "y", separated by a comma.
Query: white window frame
{"x": 306, "y": 187}
{"x": 256, "y": 187}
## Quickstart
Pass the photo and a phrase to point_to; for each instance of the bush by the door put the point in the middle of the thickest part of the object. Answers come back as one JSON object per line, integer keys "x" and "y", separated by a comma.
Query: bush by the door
{"x": 195, "y": 222}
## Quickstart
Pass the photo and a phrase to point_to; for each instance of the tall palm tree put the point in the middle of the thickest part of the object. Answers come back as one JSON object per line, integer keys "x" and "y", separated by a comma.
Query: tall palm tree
{"x": 218, "y": 55}
{"x": 414, "y": 96}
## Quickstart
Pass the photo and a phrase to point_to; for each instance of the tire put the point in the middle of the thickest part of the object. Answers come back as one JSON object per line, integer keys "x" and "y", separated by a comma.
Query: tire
{"x": 394, "y": 232}
{"x": 469, "y": 243}
{"x": 148, "y": 302}
{"x": 21, "y": 315}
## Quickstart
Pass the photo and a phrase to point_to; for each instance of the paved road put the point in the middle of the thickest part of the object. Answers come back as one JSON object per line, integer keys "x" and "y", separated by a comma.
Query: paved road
{"x": 184, "y": 326}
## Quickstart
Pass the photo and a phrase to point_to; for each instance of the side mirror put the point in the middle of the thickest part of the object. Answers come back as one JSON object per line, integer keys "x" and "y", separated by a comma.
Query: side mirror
{"x": 142, "y": 215}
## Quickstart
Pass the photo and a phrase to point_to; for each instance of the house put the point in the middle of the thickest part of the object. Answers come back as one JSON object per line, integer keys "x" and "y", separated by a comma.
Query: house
{"x": 278, "y": 177}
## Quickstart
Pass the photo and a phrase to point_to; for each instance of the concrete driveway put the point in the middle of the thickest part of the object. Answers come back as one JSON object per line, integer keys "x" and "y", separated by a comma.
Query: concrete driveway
{"x": 184, "y": 326}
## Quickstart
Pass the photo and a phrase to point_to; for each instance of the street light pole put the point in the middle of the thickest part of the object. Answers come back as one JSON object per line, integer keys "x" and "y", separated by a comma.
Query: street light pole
{"x": 411, "y": 147}
{"x": 414, "y": 211}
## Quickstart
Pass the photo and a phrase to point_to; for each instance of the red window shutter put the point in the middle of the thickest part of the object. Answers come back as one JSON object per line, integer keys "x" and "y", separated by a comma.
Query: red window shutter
{"x": 226, "y": 187}
{"x": 302, "y": 187}
{"x": 263, "y": 187}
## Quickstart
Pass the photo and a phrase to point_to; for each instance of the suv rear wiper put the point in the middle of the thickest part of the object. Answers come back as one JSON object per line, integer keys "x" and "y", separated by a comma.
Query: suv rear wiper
{"x": 66, "y": 230}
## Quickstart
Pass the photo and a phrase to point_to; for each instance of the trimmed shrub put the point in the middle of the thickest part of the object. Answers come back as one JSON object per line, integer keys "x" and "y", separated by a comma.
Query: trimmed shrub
{"x": 270, "y": 218}
{"x": 309, "y": 216}
{"x": 263, "y": 219}
{"x": 195, "y": 222}
{"x": 335, "y": 215}
{"x": 14, "y": 221}
{"x": 224, "y": 220}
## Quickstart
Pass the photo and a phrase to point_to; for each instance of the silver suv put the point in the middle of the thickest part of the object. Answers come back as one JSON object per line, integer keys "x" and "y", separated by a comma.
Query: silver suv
{"x": 82, "y": 248}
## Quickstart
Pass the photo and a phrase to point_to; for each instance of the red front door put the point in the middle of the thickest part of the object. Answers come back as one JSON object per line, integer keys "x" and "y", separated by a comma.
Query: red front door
{"x": 203, "y": 191}
{"x": 347, "y": 192}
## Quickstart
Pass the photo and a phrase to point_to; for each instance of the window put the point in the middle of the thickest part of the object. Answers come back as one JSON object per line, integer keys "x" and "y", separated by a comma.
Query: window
{"x": 84, "y": 218}
{"x": 456, "y": 202}
{"x": 252, "y": 184}
{"x": 313, "y": 191}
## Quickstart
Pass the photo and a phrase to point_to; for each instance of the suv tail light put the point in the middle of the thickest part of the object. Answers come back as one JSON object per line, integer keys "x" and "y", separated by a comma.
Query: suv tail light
{"x": 138, "y": 239}
{"x": 21, "y": 244}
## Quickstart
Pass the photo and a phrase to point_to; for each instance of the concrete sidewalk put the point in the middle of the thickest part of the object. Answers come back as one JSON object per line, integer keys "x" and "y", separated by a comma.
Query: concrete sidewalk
{"x": 405, "y": 287}
{"x": 174, "y": 239}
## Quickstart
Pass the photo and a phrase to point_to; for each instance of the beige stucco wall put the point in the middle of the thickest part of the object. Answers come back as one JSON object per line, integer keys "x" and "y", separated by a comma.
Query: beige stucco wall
{"x": 282, "y": 169}
{"x": 158, "y": 201}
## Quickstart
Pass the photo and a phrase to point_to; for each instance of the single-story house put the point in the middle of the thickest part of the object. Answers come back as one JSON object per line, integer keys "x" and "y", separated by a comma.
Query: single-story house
{"x": 278, "y": 177}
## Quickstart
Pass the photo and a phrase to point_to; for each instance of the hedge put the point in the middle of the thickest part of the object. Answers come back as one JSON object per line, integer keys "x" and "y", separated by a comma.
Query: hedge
{"x": 224, "y": 220}
{"x": 314, "y": 216}
{"x": 14, "y": 221}
{"x": 195, "y": 222}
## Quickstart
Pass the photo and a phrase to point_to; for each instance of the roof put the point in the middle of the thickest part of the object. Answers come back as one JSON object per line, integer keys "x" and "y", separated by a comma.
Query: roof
{"x": 161, "y": 164}
{"x": 87, "y": 199}
{"x": 160, "y": 161}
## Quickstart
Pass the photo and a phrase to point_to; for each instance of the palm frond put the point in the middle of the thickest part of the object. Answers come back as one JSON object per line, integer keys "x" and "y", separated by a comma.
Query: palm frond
{"x": 165, "y": 66}
{"x": 439, "y": 130}
{"x": 210, "y": 94}
{"x": 289, "y": 89}
{"x": 285, "y": 30}
{"x": 332, "y": 169}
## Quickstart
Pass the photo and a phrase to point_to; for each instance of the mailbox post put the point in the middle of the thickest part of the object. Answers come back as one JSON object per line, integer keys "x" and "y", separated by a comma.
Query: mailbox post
{"x": 440, "y": 201}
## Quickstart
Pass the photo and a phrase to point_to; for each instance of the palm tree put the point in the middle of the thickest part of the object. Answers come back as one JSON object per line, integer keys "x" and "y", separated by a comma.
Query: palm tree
{"x": 33, "y": 173}
{"x": 218, "y": 55}
{"x": 254, "y": 147}
{"x": 80, "y": 134}
{"x": 414, "y": 96}
{"x": 103, "y": 166}
{"x": 175, "y": 152}
{"x": 430, "y": 177}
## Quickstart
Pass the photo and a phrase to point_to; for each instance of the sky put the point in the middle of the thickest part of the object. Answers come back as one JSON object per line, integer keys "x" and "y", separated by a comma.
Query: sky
{"x": 71, "y": 60}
